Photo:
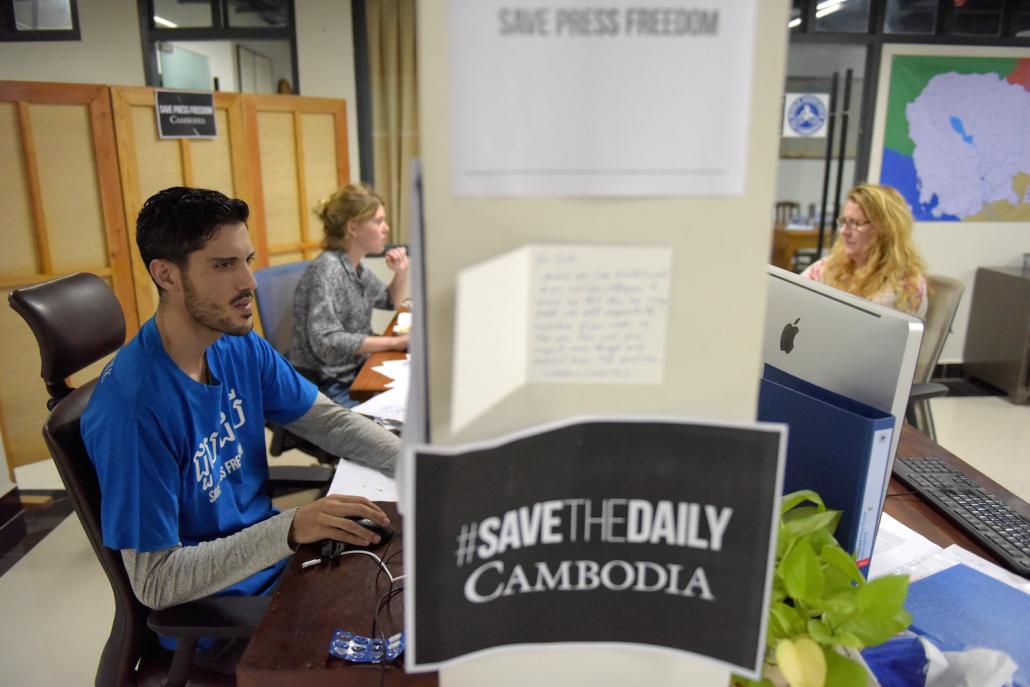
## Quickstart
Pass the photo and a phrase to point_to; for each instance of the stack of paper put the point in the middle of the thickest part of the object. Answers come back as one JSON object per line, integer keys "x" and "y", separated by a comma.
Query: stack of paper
{"x": 357, "y": 480}
{"x": 900, "y": 550}
{"x": 392, "y": 403}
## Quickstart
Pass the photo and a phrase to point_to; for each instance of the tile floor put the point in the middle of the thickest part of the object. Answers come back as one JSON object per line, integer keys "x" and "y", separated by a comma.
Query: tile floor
{"x": 57, "y": 605}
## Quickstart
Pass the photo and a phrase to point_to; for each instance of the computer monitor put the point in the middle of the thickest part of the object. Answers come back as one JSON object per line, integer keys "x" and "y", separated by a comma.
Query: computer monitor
{"x": 843, "y": 343}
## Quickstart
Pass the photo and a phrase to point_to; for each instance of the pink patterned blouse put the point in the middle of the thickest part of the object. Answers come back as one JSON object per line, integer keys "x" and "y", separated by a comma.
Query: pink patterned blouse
{"x": 815, "y": 272}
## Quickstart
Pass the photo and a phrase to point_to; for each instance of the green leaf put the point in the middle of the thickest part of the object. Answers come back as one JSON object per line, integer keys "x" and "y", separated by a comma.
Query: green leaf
{"x": 823, "y": 538}
{"x": 841, "y": 671}
{"x": 870, "y": 631}
{"x": 744, "y": 682}
{"x": 881, "y": 598}
{"x": 838, "y": 559}
{"x": 788, "y": 620}
{"x": 802, "y": 574}
{"x": 821, "y": 632}
{"x": 796, "y": 497}
{"x": 798, "y": 527}
{"x": 846, "y": 639}
{"x": 801, "y": 512}
{"x": 839, "y": 606}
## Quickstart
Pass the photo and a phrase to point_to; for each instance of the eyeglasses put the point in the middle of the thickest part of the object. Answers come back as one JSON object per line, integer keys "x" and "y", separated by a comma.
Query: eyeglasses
{"x": 852, "y": 224}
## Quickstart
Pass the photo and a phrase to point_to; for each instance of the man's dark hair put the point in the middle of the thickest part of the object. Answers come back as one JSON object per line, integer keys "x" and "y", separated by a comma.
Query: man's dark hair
{"x": 177, "y": 221}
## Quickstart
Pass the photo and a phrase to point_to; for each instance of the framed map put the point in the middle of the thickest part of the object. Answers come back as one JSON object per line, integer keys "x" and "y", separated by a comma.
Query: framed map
{"x": 957, "y": 137}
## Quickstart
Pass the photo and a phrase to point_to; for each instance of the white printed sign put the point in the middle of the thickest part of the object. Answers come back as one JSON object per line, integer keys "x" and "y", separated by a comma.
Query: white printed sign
{"x": 624, "y": 99}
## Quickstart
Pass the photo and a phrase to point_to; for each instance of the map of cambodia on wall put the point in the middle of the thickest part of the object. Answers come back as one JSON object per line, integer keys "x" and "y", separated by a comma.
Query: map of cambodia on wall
{"x": 957, "y": 137}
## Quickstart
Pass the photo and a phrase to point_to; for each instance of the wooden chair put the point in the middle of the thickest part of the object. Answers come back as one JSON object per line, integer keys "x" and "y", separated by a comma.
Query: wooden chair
{"x": 785, "y": 209}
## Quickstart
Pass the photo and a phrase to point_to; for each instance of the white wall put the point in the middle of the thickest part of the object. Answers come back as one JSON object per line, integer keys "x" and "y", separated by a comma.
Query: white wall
{"x": 954, "y": 249}
{"x": 325, "y": 57}
{"x": 801, "y": 180}
{"x": 109, "y": 52}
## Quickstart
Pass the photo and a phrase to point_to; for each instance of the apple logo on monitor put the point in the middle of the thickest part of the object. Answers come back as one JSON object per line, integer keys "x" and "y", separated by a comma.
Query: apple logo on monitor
{"x": 790, "y": 330}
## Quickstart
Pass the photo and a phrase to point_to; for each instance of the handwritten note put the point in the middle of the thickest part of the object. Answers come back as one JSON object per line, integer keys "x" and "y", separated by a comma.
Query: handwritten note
{"x": 598, "y": 314}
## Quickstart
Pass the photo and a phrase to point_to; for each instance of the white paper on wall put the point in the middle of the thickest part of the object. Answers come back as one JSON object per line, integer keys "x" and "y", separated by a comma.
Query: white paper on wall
{"x": 624, "y": 99}
{"x": 559, "y": 314}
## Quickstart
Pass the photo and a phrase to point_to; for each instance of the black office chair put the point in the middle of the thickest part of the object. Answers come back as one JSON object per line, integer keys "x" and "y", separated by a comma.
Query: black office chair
{"x": 77, "y": 321}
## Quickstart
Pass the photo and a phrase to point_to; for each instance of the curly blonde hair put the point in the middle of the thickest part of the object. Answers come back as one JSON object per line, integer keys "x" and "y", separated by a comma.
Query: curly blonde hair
{"x": 355, "y": 202}
{"x": 893, "y": 262}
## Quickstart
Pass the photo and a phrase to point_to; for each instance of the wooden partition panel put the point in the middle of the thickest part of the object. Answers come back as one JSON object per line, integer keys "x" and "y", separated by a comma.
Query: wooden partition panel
{"x": 148, "y": 163}
{"x": 63, "y": 213}
{"x": 77, "y": 163}
{"x": 298, "y": 152}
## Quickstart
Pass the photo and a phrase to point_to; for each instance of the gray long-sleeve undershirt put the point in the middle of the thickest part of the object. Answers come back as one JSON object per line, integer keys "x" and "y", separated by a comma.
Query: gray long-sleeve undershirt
{"x": 183, "y": 573}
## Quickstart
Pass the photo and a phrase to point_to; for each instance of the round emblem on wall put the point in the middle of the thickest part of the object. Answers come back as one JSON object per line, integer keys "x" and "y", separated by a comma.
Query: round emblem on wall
{"x": 806, "y": 115}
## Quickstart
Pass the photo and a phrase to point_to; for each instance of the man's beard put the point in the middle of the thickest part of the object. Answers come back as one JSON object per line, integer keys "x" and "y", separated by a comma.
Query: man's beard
{"x": 210, "y": 315}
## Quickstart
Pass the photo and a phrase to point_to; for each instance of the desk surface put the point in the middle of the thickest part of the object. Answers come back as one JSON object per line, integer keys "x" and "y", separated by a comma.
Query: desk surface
{"x": 290, "y": 647}
{"x": 368, "y": 382}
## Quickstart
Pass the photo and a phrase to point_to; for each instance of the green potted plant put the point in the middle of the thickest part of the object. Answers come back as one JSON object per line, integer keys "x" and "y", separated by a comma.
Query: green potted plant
{"x": 821, "y": 605}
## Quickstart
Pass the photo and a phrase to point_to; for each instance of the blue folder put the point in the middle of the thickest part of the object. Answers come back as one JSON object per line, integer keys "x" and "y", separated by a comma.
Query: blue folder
{"x": 837, "y": 447}
{"x": 961, "y": 608}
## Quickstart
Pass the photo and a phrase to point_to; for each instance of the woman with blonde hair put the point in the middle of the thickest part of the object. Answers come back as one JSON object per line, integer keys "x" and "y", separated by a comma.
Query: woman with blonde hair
{"x": 332, "y": 306}
{"x": 874, "y": 256}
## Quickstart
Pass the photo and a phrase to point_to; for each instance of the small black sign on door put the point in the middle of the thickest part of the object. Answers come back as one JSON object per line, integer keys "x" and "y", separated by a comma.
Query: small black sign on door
{"x": 182, "y": 114}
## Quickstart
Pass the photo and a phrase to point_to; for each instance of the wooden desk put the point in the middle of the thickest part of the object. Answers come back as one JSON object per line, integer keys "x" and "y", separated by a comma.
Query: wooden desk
{"x": 368, "y": 383}
{"x": 787, "y": 242}
{"x": 922, "y": 517}
{"x": 291, "y": 646}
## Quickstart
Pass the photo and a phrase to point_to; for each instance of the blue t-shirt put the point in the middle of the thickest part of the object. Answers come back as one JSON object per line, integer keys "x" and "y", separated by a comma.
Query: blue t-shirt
{"x": 180, "y": 462}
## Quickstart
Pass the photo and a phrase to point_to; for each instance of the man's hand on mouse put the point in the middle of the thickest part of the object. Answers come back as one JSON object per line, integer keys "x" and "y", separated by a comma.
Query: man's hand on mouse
{"x": 329, "y": 518}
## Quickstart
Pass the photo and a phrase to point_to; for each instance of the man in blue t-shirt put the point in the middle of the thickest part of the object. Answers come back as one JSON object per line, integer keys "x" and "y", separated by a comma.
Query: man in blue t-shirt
{"x": 176, "y": 423}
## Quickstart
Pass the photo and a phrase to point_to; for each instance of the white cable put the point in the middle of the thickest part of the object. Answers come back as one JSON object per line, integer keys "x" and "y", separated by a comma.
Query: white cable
{"x": 316, "y": 561}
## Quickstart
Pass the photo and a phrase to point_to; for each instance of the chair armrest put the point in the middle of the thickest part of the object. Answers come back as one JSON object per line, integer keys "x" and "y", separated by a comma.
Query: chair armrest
{"x": 222, "y": 616}
{"x": 299, "y": 476}
{"x": 927, "y": 390}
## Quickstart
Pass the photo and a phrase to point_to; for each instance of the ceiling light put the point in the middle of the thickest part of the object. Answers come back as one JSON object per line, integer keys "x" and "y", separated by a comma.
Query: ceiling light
{"x": 828, "y": 10}
{"x": 161, "y": 21}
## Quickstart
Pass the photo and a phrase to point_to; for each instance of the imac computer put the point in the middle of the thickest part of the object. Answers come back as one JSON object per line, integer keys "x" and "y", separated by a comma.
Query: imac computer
{"x": 840, "y": 342}
{"x": 848, "y": 345}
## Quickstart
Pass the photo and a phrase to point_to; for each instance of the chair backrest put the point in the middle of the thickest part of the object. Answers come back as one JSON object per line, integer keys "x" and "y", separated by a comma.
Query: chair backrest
{"x": 275, "y": 287}
{"x": 785, "y": 209}
{"x": 77, "y": 320}
{"x": 944, "y": 294}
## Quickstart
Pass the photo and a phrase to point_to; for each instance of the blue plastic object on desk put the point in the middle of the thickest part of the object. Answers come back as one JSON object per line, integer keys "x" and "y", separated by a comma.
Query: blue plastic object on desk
{"x": 360, "y": 649}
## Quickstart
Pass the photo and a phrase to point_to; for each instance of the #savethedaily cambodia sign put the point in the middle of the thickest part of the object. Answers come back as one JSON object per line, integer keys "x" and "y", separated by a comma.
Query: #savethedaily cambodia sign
{"x": 652, "y": 532}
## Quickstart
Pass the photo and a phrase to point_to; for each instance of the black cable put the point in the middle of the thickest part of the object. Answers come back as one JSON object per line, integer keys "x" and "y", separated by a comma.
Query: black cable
{"x": 377, "y": 628}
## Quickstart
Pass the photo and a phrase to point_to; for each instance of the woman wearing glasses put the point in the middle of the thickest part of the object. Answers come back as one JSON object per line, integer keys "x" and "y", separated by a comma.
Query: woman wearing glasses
{"x": 873, "y": 256}
{"x": 332, "y": 306}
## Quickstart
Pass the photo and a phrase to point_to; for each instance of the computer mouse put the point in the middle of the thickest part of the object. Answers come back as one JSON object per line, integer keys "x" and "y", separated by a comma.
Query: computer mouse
{"x": 385, "y": 532}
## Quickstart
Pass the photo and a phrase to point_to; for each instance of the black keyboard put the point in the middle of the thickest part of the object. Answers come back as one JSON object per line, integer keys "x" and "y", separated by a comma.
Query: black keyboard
{"x": 983, "y": 516}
